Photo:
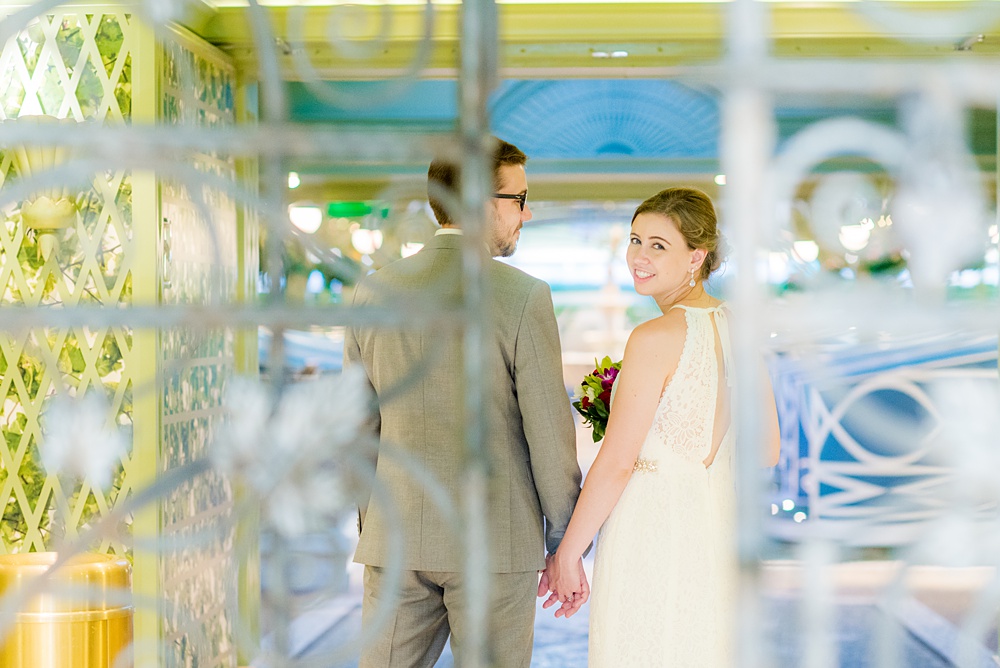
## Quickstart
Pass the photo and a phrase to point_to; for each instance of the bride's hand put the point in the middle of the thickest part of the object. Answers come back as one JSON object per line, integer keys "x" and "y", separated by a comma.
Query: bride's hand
{"x": 568, "y": 583}
{"x": 571, "y": 608}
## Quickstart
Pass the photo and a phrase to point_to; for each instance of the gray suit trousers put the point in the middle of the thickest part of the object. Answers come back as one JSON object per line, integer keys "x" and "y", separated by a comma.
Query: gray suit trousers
{"x": 432, "y": 605}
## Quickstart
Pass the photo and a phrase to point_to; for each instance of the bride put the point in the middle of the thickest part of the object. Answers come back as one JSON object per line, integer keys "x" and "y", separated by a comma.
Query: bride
{"x": 662, "y": 486}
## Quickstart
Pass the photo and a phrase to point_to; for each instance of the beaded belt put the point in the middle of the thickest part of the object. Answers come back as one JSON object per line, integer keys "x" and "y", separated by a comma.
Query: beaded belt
{"x": 644, "y": 465}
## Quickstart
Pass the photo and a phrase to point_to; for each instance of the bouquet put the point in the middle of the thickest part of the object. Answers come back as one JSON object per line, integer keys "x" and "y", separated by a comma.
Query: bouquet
{"x": 594, "y": 400}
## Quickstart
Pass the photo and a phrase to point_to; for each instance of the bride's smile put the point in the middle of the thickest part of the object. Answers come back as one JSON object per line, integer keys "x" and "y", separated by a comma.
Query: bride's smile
{"x": 659, "y": 258}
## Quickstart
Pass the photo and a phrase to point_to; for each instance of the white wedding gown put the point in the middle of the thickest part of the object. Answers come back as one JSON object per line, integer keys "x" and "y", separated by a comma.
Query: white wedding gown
{"x": 664, "y": 583}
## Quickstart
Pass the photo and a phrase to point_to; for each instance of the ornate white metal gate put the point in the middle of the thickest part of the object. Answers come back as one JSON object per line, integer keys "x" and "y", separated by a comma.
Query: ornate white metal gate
{"x": 129, "y": 275}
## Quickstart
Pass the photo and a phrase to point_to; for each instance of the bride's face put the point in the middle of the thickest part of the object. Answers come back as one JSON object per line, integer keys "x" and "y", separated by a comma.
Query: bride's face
{"x": 658, "y": 256}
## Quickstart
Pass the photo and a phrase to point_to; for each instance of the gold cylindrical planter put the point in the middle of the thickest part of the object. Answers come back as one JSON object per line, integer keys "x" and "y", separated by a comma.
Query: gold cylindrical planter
{"x": 81, "y": 621}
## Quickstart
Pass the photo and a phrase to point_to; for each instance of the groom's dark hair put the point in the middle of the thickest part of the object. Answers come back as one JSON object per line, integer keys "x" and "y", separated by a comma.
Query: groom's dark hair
{"x": 444, "y": 174}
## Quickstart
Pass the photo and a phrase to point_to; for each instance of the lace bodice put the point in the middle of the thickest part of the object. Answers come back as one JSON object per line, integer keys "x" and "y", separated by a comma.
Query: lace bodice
{"x": 685, "y": 415}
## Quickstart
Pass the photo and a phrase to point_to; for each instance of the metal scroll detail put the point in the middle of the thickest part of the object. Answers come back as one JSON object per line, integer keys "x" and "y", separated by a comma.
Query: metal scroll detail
{"x": 147, "y": 237}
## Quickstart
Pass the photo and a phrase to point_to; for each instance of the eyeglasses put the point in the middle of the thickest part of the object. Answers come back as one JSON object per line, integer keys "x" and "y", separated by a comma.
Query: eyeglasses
{"x": 521, "y": 198}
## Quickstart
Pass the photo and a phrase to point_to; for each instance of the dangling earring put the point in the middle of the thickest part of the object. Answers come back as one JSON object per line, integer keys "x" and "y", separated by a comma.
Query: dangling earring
{"x": 692, "y": 279}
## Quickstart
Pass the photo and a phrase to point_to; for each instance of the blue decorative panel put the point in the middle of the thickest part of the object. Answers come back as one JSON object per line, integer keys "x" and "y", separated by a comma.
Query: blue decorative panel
{"x": 865, "y": 447}
{"x": 607, "y": 118}
{"x": 591, "y": 118}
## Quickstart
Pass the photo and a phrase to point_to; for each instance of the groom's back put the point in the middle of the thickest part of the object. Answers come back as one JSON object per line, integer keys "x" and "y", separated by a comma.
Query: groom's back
{"x": 418, "y": 376}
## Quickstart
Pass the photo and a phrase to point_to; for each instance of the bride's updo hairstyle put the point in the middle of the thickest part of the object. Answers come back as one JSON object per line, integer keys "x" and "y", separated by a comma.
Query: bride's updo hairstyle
{"x": 694, "y": 215}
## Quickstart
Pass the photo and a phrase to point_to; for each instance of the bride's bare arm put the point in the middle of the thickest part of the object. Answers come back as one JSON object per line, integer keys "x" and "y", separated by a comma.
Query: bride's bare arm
{"x": 651, "y": 356}
{"x": 772, "y": 433}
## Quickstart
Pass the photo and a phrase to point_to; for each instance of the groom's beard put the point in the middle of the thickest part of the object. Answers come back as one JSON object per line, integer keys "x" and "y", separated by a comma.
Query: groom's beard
{"x": 505, "y": 249}
{"x": 500, "y": 246}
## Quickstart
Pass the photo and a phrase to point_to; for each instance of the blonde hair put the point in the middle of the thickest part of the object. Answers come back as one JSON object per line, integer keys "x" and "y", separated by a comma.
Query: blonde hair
{"x": 692, "y": 212}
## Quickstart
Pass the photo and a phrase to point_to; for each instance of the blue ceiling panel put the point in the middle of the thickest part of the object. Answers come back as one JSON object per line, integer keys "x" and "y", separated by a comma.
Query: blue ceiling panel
{"x": 424, "y": 103}
{"x": 610, "y": 118}
{"x": 566, "y": 120}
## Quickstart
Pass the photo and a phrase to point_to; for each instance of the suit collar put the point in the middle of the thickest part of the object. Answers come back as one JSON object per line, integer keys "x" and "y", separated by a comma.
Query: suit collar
{"x": 444, "y": 241}
{"x": 449, "y": 241}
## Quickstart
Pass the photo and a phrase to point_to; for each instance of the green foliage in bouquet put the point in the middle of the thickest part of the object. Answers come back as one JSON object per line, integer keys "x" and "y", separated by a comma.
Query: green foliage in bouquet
{"x": 594, "y": 399}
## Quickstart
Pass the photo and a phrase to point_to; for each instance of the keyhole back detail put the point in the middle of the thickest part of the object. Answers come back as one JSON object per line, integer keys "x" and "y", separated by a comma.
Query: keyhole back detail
{"x": 693, "y": 416}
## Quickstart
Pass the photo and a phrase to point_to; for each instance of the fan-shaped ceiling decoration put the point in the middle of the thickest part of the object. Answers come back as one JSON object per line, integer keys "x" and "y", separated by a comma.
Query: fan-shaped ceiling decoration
{"x": 607, "y": 118}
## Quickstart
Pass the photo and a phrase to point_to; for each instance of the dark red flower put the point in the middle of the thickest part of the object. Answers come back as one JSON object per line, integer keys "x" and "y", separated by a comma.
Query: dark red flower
{"x": 584, "y": 402}
{"x": 605, "y": 396}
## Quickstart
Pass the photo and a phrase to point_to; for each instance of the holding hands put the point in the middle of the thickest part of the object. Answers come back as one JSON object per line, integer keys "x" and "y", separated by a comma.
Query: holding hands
{"x": 567, "y": 583}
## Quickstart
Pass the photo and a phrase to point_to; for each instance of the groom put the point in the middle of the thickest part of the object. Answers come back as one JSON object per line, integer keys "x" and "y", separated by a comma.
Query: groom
{"x": 534, "y": 475}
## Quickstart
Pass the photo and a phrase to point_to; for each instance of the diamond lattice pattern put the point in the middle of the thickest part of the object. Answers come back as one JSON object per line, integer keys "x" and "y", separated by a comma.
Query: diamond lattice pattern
{"x": 74, "y": 66}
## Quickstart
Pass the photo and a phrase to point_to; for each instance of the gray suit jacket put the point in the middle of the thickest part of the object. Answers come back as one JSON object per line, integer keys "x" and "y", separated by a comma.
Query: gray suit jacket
{"x": 531, "y": 445}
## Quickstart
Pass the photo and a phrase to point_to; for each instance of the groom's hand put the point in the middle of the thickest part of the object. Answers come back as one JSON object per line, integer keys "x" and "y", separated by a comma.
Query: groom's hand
{"x": 543, "y": 582}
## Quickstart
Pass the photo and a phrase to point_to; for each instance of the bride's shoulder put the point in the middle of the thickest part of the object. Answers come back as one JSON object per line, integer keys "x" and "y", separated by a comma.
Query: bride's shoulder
{"x": 672, "y": 322}
{"x": 659, "y": 335}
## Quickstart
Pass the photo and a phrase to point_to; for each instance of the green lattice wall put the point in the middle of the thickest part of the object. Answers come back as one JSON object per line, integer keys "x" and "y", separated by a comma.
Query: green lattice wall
{"x": 79, "y": 67}
{"x": 197, "y": 90}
